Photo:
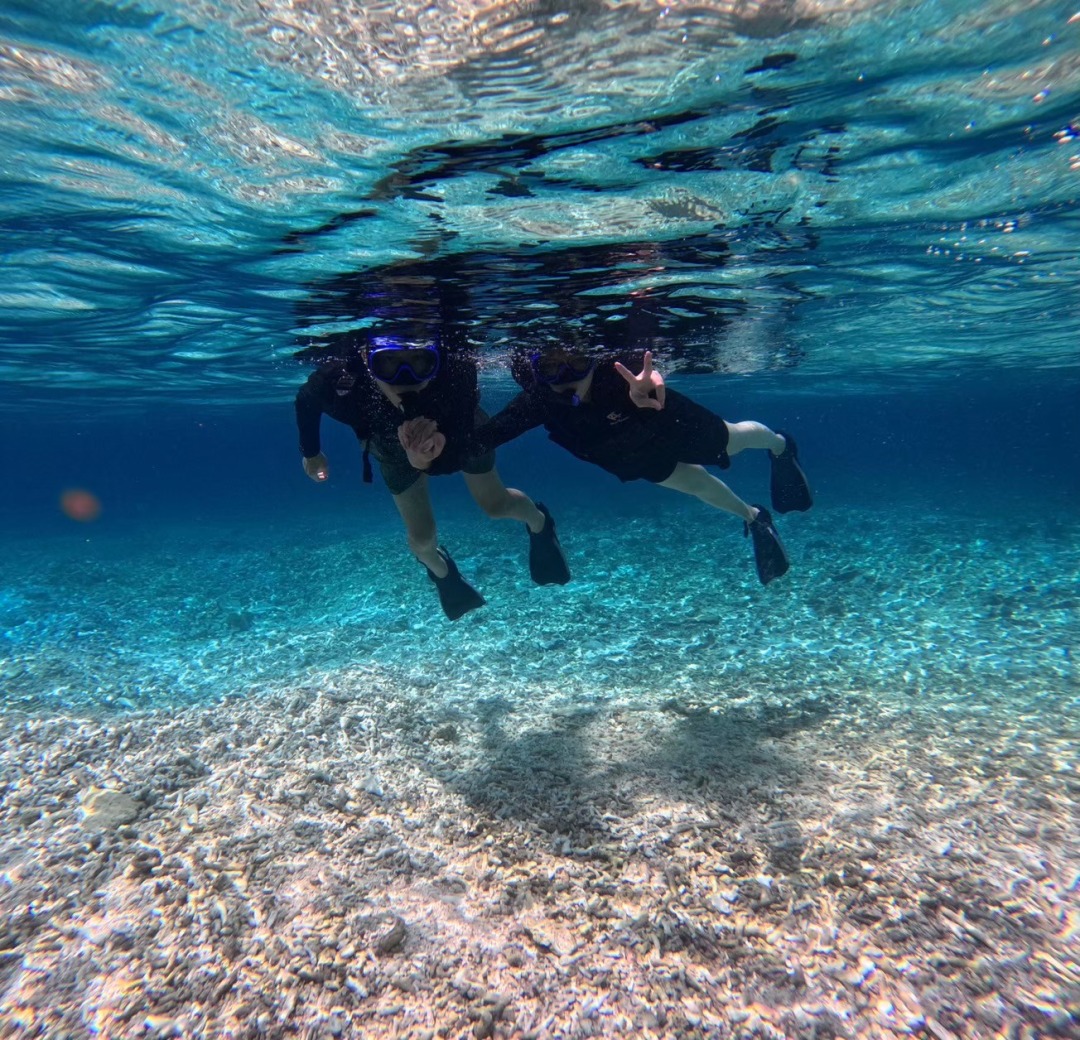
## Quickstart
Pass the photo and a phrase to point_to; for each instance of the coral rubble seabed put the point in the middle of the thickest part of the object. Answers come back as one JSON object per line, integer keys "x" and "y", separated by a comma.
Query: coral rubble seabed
{"x": 344, "y": 859}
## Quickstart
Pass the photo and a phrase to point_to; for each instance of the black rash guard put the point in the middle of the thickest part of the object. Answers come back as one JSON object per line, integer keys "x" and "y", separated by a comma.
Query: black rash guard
{"x": 349, "y": 394}
{"x": 610, "y": 431}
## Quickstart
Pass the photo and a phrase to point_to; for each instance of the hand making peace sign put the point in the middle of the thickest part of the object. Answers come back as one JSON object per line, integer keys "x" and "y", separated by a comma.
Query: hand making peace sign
{"x": 644, "y": 385}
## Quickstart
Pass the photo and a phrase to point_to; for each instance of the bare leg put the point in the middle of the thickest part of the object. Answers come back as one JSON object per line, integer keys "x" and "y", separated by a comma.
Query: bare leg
{"x": 501, "y": 502}
{"x": 699, "y": 482}
{"x": 414, "y": 505}
{"x": 743, "y": 435}
{"x": 770, "y": 559}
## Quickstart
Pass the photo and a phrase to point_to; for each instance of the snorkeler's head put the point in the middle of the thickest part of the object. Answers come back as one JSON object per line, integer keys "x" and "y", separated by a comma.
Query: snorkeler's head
{"x": 402, "y": 363}
{"x": 563, "y": 370}
{"x": 559, "y": 366}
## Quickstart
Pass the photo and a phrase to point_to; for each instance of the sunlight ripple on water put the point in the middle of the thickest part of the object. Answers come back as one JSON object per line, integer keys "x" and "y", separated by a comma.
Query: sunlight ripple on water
{"x": 182, "y": 178}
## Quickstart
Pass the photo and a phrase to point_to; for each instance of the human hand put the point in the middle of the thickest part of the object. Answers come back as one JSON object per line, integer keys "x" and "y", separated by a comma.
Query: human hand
{"x": 422, "y": 441}
{"x": 644, "y": 384}
{"x": 317, "y": 468}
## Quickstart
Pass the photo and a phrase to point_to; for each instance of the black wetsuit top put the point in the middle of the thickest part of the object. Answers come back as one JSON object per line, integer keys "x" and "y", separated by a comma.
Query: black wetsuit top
{"x": 612, "y": 432}
{"x": 349, "y": 394}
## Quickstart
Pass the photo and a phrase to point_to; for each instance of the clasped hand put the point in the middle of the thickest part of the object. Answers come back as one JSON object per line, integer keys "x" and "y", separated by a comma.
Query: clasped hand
{"x": 422, "y": 441}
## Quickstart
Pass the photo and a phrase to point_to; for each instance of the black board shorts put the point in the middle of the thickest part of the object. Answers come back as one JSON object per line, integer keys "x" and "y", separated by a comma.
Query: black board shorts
{"x": 399, "y": 475}
{"x": 683, "y": 431}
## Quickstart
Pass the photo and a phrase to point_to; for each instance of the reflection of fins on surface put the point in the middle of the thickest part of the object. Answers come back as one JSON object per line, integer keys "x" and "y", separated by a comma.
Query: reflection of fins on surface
{"x": 769, "y": 555}
{"x": 790, "y": 489}
{"x": 547, "y": 564}
{"x": 456, "y": 595}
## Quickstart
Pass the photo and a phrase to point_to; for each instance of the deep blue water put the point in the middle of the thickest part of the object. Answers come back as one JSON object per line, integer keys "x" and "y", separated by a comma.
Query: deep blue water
{"x": 978, "y": 445}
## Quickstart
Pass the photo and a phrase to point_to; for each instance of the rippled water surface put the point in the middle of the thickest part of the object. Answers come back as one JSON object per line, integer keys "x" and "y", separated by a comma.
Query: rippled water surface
{"x": 857, "y": 193}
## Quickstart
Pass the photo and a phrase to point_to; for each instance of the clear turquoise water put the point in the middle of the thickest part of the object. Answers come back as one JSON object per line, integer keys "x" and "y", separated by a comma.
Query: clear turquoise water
{"x": 858, "y": 222}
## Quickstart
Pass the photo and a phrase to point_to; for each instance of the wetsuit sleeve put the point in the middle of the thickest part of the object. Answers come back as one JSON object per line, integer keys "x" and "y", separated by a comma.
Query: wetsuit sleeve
{"x": 310, "y": 405}
{"x": 519, "y": 416}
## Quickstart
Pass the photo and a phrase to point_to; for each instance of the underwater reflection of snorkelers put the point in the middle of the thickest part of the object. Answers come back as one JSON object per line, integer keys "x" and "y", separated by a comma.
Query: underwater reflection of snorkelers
{"x": 414, "y": 406}
{"x": 636, "y": 428}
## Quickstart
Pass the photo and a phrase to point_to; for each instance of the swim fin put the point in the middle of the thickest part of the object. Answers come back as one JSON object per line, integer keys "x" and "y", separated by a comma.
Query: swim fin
{"x": 769, "y": 555}
{"x": 788, "y": 484}
{"x": 456, "y": 595}
{"x": 547, "y": 564}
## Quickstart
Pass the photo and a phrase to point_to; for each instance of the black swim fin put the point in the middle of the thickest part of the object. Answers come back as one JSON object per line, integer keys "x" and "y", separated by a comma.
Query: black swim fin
{"x": 456, "y": 595}
{"x": 788, "y": 484}
{"x": 547, "y": 563}
{"x": 769, "y": 555}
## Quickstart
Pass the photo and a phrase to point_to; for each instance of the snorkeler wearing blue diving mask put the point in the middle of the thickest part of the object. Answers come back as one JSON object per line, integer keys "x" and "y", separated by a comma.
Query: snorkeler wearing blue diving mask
{"x": 564, "y": 372}
{"x": 414, "y": 407}
{"x": 402, "y": 364}
{"x": 636, "y": 428}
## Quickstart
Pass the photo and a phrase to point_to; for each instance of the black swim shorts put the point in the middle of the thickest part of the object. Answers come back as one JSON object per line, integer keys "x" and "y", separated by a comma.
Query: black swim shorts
{"x": 684, "y": 431}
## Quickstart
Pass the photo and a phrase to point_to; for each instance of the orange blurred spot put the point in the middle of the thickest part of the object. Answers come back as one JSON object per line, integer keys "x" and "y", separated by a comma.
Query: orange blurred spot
{"x": 80, "y": 505}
